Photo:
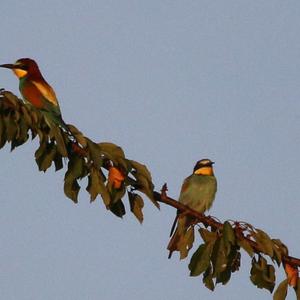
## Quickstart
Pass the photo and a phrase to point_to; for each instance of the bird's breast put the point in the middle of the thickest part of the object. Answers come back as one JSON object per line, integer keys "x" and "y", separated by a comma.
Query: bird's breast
{"x": 199, "y": 192}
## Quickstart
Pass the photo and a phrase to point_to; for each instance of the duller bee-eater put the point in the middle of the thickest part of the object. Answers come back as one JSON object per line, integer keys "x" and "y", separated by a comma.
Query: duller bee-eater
{"x": 197, "y": 192}
{"x": 36, "y": 91}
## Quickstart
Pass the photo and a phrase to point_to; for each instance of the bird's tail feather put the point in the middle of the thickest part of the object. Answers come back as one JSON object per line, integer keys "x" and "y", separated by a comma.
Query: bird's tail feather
{"x": 183, "y": 237}
{"x": 173, "y": 225}
{"x": 56, "y": 119}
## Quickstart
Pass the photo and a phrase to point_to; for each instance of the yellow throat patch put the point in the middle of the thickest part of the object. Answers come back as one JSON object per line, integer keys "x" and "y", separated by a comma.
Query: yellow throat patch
{"x": 204, "y": 171}
{"x": 20, "y": 73}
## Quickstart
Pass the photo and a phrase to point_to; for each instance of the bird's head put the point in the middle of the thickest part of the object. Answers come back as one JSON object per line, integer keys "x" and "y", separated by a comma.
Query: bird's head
{"x": 204, "y": 167}
{"x": 23, "y": 67}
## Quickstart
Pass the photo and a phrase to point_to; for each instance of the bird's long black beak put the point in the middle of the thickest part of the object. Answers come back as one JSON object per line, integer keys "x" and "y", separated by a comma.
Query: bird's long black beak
{"x": 8, "y": 66}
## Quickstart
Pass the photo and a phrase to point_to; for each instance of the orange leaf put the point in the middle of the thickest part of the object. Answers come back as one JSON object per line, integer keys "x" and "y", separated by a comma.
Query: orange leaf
{"x": 115, "y": 177}
{"x": 292, "y": 274}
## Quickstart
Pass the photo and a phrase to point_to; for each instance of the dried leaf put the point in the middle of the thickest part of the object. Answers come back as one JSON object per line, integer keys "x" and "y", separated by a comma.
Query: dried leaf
{"x": 246, "y": 246}
{"x": 208, "y": 236}
{"x": 281, "y": 291}
{"x": 264, "y": 242}
{"x": 262, "y": 274}
{"x": 111, "y": 150}
{"x": 136, "y": 206}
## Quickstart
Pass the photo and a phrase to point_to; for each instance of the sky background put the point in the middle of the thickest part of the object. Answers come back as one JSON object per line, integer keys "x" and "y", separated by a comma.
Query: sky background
{"x": 171, "y": 82}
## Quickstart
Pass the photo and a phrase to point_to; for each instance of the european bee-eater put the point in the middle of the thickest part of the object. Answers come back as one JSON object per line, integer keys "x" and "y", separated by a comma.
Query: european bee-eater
{"x": 36, "y": 91}
{"x": 198, "y": 192}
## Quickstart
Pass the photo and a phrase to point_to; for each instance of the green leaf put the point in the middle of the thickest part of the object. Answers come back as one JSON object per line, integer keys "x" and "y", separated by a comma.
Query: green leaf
{"x": 136, "y": 206}
{"x": 116, "y": 195}
{"x": 35, "y": 117}
{"x": 58, "y": 162}
{"x": 141, "y": 171}
{"x": 262, "y": 274}
{"x": 40, "y": 152}
{"x": 115, "y": 154}
{"x": 61, "y": 146}
{"x": 76, "y": 170}
{"x": 208, "y": 279}
{"x": 2, "y": 133}
{"x": 198, "y": 265}
{"x": 22, "y": 134}
{"x": 224, "y": 276}
{"x": 44, "y": 161}
{"x": 118, "y": 208}
{"x": 228, "y": 233}
{"x": 26, "y": 116}
{"x": 200, "y": 260}
{"x": 11, "y": 98}
{"x": 144, "y": 180}
{"x": 219, "y": 257}
{"x": 11, "y": 128}
{"x": 71, "y": 189}
{"x": 97, "y": 187}
{"x": 78, "y": 135}
{"x": 281, "y": 291}
{"x": 233, "y": 264}
{"x": 94, "y": 153}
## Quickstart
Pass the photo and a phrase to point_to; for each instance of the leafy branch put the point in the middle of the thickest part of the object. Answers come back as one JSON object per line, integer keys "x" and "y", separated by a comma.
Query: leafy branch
{"x": 111, "y": 175}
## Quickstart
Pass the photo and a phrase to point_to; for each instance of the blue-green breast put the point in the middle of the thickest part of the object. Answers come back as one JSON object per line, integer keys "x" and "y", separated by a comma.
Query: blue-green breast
{"x": 198, "y": 192}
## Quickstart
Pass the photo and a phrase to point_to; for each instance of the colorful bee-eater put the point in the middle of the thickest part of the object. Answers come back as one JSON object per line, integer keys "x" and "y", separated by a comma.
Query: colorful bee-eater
{"x": 36, "y": 91}
{"x": 198, "y": 192}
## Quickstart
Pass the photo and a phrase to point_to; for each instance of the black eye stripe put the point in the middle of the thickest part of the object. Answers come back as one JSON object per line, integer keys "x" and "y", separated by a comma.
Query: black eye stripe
{"x": 23, "y": 67}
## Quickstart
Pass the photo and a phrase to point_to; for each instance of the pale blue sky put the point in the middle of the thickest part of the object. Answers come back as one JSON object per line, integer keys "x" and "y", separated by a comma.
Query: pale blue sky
{"x": 170, "y": 82}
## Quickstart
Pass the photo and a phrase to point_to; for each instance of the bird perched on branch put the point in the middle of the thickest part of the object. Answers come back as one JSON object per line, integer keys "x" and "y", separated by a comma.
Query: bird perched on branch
{"x": 197, "y": 192}
{"x": 36, "y": 91}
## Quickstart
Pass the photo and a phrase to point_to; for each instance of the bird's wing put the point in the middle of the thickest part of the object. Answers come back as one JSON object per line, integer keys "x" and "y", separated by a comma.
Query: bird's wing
{"x": 185, "y": 185}
{"x": 46, "y": 91}
{"x": 32, "y": 95}
{"x": 35, "y": 93}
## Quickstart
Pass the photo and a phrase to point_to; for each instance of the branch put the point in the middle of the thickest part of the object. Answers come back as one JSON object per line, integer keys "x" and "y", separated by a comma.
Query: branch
{"x": 209, "y": 221}
{"x": 111, "y": 175}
